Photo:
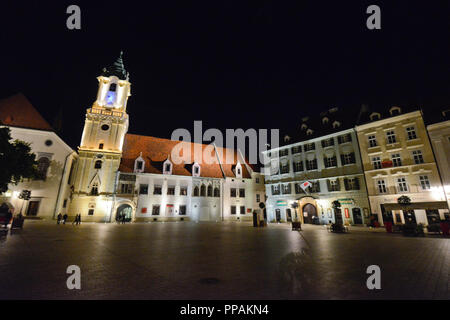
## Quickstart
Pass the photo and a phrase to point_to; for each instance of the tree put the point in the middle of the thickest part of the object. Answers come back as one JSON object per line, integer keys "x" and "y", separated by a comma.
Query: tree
{"x": 17, "y": 162}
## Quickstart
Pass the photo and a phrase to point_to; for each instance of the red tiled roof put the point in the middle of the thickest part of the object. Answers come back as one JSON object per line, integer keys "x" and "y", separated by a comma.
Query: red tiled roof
{"x": 17, "y": 111}
{"x": 156, "y": 150}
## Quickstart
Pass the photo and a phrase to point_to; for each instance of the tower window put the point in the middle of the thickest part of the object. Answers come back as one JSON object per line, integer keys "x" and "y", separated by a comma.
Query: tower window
{"x": 94, "y": 190}
{"x": 105, "y": 127}
{"x": 112, "y": 87}
{"x": 100, "y": 146}
{"x": 98, "y": 164}
{"x": 43, "y": 164}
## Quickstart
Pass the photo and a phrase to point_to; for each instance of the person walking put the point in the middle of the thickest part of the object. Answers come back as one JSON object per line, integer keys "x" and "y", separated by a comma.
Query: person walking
{"x": 123, "y": 218}
{"x": 79, "y": 218}
{"x": 59, "y": 218}
{"x": 64, "y": 218}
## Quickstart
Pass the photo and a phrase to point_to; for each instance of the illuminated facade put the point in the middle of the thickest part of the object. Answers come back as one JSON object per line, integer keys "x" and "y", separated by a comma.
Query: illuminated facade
{"x": 398, "y": 161}
{"x": 50, "y": 191}
{"x": 440, "y": 140}
{"x": 327, "y": 158}
{"x": 120, "y": 175}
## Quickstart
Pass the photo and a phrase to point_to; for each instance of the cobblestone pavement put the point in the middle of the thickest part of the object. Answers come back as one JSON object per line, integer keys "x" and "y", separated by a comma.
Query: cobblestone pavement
{"x": 218, "y": 261}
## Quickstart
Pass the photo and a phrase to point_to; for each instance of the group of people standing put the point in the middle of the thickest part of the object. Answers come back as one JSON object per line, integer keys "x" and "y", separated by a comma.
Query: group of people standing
{"x": 63, "y": 218}
{"x": 121, "y": 218}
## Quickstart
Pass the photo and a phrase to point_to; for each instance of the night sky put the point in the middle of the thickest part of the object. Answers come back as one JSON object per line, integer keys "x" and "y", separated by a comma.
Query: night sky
{"x": 232, "y": 64}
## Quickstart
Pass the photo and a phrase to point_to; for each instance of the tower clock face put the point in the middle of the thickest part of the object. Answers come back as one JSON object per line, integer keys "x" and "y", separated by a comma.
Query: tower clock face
{"x": 110, "y": 97}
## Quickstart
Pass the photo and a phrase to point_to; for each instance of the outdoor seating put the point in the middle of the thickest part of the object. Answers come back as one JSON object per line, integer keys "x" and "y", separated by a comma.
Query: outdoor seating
{"x": 337, "y": 228}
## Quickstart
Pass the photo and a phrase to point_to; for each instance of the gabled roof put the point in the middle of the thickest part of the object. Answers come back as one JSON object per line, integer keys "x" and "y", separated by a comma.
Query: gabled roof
{"x": 156, "y": 150}
{"x": 17, "y": 111}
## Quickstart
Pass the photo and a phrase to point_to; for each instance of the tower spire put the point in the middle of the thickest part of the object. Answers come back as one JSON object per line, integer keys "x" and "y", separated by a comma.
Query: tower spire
{"x": 116, "y": 69}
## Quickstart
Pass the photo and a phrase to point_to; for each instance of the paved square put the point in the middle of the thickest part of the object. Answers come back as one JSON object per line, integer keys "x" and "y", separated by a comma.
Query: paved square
{"x": 218, "y": 261}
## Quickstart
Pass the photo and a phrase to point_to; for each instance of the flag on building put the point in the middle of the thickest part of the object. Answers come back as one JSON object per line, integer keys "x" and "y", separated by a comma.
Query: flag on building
{"x": 305, "y": 185}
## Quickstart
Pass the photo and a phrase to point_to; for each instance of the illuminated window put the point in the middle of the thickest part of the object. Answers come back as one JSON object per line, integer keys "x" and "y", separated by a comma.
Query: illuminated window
{"x": 381, "y": 185}
{"x": 424, "y": 182}
{"x": 411, "y": 133}
{"x": 418, "y": 157}
{"x": 391, "y": 138}
{"x": 98, "y": 164}
{"x": 372, "y": 141}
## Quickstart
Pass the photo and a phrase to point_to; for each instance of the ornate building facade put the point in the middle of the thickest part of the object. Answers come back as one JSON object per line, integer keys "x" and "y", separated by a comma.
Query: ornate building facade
{"x": 125, "y": 175}
{"x": 398, "y": 161}
{"x": 324, "y": 154}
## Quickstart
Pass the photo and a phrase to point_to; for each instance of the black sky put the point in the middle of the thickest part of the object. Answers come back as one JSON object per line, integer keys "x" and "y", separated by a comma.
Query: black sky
{"x": 232, "y": 64}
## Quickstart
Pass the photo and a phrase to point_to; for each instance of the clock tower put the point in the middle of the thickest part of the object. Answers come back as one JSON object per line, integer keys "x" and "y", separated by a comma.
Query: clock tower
{"x": 100, "y": 149}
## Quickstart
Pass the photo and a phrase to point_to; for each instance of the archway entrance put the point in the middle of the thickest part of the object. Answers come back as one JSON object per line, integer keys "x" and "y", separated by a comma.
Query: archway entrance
{"x": 309, "y": 212}
{"x": 124, "y": 210}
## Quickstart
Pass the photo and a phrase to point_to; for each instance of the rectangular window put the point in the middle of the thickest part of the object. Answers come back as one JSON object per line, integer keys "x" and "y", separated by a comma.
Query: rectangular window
{"x": 348, "y": 158}
{"x": 284, "y": 168}
{"x": 183, "y": 191}
{"x": 396, "y": 160}
{"x": 327, "y": 142}
{"x": 284, "y": 152}
{"x": 242, "y": 193}
{"x": 257, "y": 180}
{"x": 139, "y": 165}
{"x": 298, "y": 188}
{"x": 381, "y": 185}
{"x": 233, "y": 192}
{"x": 155, "y": 210}
{"x": 233, "y": 209}
{"x": 390, "y": 137}
{"x": 411, "y": 133}
{"x": 315, "y": 187}
{"x": 286, "y": 189}
{"x": 143, "y": 189}
{"x": 157, "y": 190}
{"x": 296, "y": 149}
{"x": 258, "y": 198}
{"x": 376, "y": 162}
{"x": 333, "y": 185}
{"x": 91, "y": 212}
{"x": 402, "y": 185}
{"x": 351, "y": 184}
{"x": 424, "y": 182}
{"x": 298, "y": 166}
{"x": 311, "y": 164}
{"x": 310, "y": 146}
{"x": 182, "y": 211}
{"x": 330, "y": 162}
{"x": 372, "y": 141}
{"x": 276, "y": 189}
{"x": 126, "y": 188}
{"x": 242, "y": 210}
{"x": 171, "y": 190}
{"x": 345, "y": 138}
{"x": 65, "y": 203}
{"x": 418, "y": 157}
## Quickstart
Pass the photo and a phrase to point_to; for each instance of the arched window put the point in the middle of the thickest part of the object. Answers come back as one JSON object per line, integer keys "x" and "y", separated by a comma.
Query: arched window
{"x": 195, "y": 191}
{"x": 112, "y": 87}
{"x": 210, "y": 191}
{"x": 43, "y": 164}
{"x": 375, "y": 116}
{"x": 394, "y": 111}
{"x": 202, "y": 191}
{"x": 216, "y": 192}
{"x": 94, "y": 190}
{"x": 98, "y": 164}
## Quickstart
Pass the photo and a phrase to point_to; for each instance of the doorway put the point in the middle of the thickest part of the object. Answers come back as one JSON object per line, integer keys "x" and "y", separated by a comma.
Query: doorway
{"x": 357, "y": 216}
{"x": 432, "y": 216}
{"x": 124, "y": 210}
{"x": 278, "y": 215}
{"x": 288, "y": 215}
{"x": 33, "y": 208}
{"x": 309, "y": 213}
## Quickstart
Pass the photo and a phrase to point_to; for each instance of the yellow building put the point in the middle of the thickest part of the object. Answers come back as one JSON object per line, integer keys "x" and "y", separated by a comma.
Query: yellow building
{"x": 398, "y": 161}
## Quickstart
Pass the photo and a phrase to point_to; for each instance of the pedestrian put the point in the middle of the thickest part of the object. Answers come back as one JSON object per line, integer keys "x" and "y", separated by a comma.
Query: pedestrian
{"x": 8, "y": 218}
{"x": 79, "y": 218}
{"x": 58, "y": 218}
{"x": 64, "y": 218}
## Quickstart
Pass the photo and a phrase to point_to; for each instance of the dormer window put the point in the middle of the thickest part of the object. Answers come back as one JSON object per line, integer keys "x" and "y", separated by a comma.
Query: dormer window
{"x": 238, "y": 170}
{"x": 304, "y": 126}
{"x": 336, "y": 124}
{"x": 309, "y": 132}
{"x": 196, "y": 170}
{"x": 139, "y": 164}
{"x": 325, "y": 120}
{"x": 375, "y": 116}
{"x": 167, "y": 167}
{"x": 395, "y": 111}
{"x": 287, "y": 138}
